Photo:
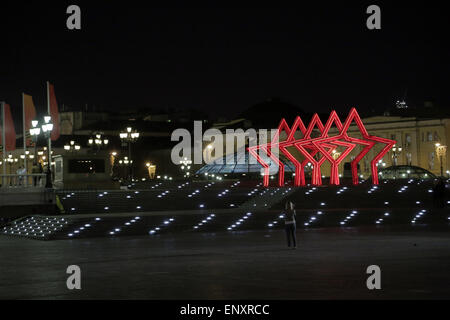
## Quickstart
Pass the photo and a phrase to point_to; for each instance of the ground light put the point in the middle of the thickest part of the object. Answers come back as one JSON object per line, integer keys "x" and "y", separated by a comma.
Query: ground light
{"x": 380, "y": 220}
{"x": 36, "y": 227}
{"x": 349, "y": 217}
{"x": 238, "y": 223}
{"x": 341, "y": 190}
{"x": 313, "y": 218}
{"x": 83, "y": 227}
{"x": 166, "y": 223}
{"x": 118, "y": 229}
{"x": 275, "y": 222}
{"x": 418, "y": 216}
{"x": 204, "y": 221}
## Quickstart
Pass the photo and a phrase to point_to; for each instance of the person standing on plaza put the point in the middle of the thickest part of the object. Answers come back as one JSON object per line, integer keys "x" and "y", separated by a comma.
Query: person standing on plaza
{"x": 41, "y": 171}
{"x": 35, "y": 171}
{"x": 19, "y": 176}
{"x": 290, "y": 224}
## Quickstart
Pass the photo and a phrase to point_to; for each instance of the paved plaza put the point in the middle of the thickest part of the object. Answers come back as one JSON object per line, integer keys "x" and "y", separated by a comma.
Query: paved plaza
{"x": 328, "y": 264}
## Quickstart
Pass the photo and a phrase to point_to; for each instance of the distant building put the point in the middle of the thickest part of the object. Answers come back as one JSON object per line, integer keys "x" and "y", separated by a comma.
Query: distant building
{"x": 416, "y": 145}
{"x": 416, "y": 142}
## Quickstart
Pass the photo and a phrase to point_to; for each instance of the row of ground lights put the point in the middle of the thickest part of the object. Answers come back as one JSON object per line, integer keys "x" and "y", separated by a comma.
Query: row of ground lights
{"x": 341, "y": 190}
{"x": 164, "y": 224}
{"x": 40, "y": 227}
{"x": 313, "y": 218}
{"x": 126, "y": 224}
{"x": 82, "y": 228}
{"x": 239, "y": 222}
{"x": 349, "y": 217}
{"x": 275, "y": 222}
{"x": 380, "y": 220}
{"x": 418, "y": 216}
{"x": 204, "y": 221}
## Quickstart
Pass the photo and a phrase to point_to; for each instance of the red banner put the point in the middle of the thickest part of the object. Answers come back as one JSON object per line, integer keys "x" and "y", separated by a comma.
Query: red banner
{"x": 10, "y": 131}
{"x": 29, "y": 112}
{"x": 54, "y": 113}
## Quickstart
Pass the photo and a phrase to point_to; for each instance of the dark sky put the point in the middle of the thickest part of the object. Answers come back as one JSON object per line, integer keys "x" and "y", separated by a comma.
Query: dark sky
{"x": 224, "y": 60}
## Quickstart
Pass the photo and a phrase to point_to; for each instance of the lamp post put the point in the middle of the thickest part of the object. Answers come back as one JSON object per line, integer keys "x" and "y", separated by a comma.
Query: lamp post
{"x": 72, "y": 146}
{"x": 441, "y": 151}
{"x": 127, "y": 162}
{"x": 395, "y": 153}
{"x": 97, "y": 141}
{"x": 128, "y": 137}
{"x": 47, "y": 128}
{"x": 10, "y": 160}
{"x": 26, "y": 156}
{"x": 35, "y": 131}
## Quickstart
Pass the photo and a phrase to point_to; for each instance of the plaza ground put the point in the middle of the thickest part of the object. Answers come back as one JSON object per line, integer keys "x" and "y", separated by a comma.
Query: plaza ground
{"x": 329, "y": 263}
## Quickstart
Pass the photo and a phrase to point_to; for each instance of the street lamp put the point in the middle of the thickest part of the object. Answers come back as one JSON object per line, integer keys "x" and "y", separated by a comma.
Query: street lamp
{"x": 129, "y": 136}
{"x": 72, "y": 147}
{"x": 126, "y": 162}
{"x": 26, "y": 156}
{"x": 97, "y": 141}
{"x": 47, "y": 128}
{"x": 335, "y": 154}
{"x": 441, "y": 151}
{"x": 395, "y": 153}
{"x": 35, "y": 131}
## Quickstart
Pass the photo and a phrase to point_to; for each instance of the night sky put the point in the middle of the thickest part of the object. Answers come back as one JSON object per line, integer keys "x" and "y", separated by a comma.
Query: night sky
{"x": 224, "y": 60}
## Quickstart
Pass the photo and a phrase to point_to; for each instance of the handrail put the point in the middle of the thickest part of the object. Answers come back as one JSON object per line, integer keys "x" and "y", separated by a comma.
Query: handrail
{"x": 22, "y": 180}
{"x": 23, "y": 175}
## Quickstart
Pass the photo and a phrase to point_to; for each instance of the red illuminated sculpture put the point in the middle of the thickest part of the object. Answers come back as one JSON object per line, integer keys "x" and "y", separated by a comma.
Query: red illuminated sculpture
{"x": 320, "y": 149}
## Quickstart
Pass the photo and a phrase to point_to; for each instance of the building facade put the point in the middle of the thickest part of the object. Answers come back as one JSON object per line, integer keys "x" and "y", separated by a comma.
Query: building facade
{"x": 417, "y": 141}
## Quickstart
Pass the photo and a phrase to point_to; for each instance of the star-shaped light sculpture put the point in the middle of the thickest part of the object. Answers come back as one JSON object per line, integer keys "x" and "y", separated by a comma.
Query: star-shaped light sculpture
{"x": 321, "y": 148}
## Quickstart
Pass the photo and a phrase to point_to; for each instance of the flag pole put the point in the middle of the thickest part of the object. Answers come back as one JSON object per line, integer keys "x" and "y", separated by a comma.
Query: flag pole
{"x": 50, "y": 136}
{"x": 24, "y": 140}
{"x": 4, "y": 145}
